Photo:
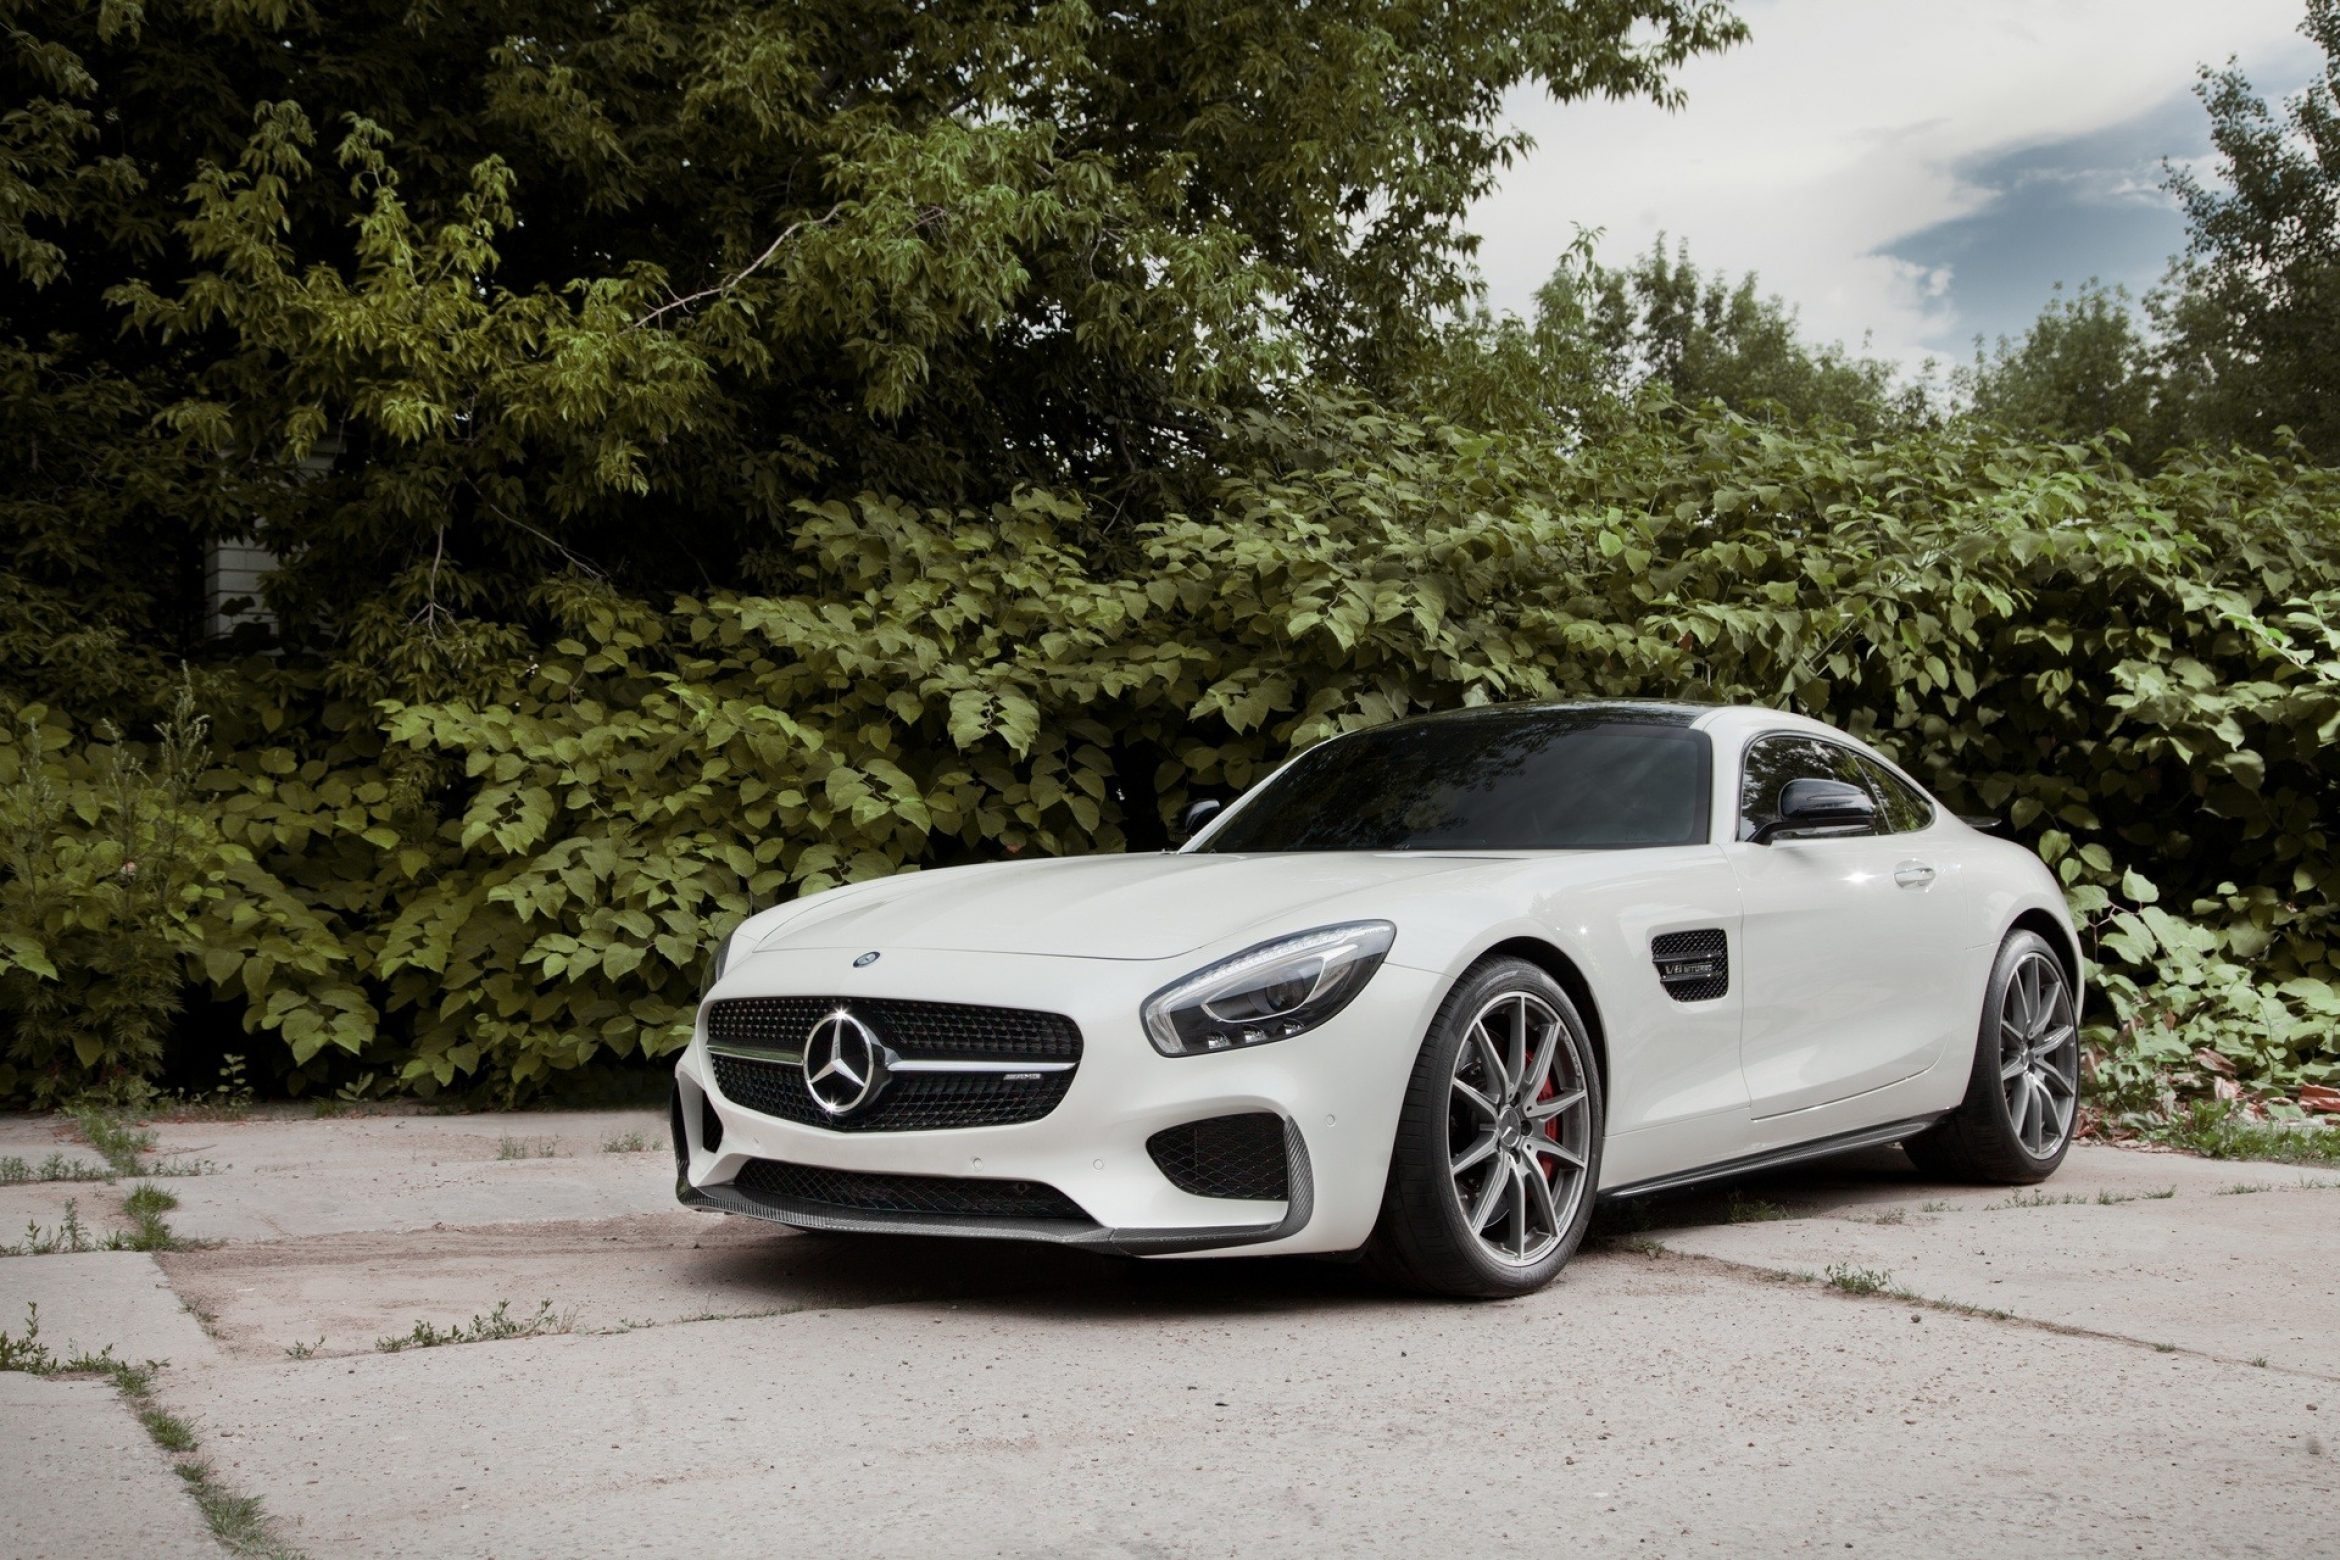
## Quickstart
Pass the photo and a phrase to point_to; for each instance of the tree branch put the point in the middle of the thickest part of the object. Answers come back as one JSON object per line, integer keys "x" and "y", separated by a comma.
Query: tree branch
{"x": 725, "y": 287}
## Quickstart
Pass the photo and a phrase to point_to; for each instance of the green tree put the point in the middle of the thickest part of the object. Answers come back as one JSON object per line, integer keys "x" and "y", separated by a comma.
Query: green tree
{"x": 599, "y": 290}
{"x": 1705, "y": 337}
{"x": 1600, "y": 338}
{"x": 2253, "y": 311}
{"x": 2084, "y": 368}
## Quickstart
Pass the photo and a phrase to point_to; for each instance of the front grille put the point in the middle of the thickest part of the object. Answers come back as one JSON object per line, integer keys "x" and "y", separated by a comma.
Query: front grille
{"x": 920, "y": 1031}
{"x": 860, "y": 1191}
{"x": 912, "y": 1102}
{"x": 1225, "y": 1156}
{"x": 916, "y": 1031}
{"x": 1693, "y": 966}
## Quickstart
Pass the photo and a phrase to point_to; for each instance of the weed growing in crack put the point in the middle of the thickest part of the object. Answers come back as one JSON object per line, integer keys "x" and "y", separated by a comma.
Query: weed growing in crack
{"x": 18, "y": 1172}
{"x": 303, "y": 1351}
{"x": 628, "y": 1143}
{"x": 239, "y": 1522}
{"x": 67, "y": 1237}
{"x": 496, "y": 1325}
{"x": 527, "y": 1148}
{"x": 1857, "y": 1280}
{"x": 2246, "y": 1188}
{"x": 2034, "y": 1200}
{"x": 125, "y": 1147}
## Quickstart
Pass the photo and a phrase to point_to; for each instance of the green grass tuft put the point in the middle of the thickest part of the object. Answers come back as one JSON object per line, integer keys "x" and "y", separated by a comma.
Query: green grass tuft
{"x": 2215, "y": 1130}
{"x": 496, "y": 1325}
{"x": 18, "y": 1172}
{"x": 1858, "y": 1280}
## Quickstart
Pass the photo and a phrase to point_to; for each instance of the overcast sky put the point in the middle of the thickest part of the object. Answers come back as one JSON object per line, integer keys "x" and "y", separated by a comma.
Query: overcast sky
{"x": 1915, "y": 172}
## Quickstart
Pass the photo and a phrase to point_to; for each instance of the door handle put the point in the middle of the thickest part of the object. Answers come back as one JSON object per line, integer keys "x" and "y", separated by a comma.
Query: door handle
{"x": 1913, "y": 874}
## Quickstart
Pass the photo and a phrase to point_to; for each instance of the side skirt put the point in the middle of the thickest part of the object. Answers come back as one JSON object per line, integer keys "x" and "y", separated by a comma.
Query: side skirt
{"x": 1794, "y": 1153}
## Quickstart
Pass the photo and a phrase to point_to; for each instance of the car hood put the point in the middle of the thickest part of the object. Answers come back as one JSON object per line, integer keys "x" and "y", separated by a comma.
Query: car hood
{"x": 1097, "y": 907}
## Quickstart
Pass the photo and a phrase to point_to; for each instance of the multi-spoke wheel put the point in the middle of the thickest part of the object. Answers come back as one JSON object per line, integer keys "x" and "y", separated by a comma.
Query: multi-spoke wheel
{"x": 2024, "y": 1095}
{"x": 2039, "y": 1054}
{"x": 1521, "y": 1110}
{"x": 1498, "y": 1149}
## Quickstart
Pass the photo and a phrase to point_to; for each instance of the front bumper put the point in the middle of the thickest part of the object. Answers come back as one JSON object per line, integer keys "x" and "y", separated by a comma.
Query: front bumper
{"x": 1337, "y": 1091}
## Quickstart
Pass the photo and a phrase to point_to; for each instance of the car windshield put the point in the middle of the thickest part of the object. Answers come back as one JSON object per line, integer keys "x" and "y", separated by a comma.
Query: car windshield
{"x": 1544, "y": 779}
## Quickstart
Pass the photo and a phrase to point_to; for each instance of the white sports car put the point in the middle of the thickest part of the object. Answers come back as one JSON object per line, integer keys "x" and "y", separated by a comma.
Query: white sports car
{"x": 1424, "y": 993}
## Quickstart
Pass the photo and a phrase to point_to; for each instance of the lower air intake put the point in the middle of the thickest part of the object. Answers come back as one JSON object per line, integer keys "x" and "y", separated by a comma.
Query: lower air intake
{"x": 1225, "y": 1156}
{"x": 858, "y": 1191}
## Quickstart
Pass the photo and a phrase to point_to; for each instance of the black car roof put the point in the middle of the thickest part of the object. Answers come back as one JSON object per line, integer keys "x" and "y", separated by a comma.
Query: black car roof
{"x": 1653, "y": 712}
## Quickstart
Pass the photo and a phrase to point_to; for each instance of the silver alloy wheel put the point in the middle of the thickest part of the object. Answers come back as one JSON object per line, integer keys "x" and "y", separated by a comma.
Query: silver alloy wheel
{"x": 1521, "y": 1110}
{"x": 2039, "y": 1054}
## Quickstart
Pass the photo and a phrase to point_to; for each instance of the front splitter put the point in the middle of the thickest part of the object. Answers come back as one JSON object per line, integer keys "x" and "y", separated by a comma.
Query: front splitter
{"x": 1132, "y": 1242}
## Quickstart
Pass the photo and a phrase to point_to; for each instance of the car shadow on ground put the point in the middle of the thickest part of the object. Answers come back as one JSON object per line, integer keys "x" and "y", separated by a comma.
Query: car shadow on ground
{"x": 800, "y": 1269}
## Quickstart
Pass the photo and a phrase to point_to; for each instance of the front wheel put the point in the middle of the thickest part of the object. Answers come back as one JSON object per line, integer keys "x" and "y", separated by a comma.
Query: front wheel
{"x": 2023, "y": 1098}
{"x": 1498, "y": 1147}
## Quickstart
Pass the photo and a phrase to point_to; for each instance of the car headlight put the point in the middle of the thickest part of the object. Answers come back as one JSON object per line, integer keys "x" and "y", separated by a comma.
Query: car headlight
{"x": 1272, "y": 992}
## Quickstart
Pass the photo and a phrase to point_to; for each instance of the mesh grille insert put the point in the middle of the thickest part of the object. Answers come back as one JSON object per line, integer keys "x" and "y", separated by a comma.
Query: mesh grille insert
{"x": 1225, "y": 1156}
{"x": 1693, "y": 966}
{"x": 916, "y": 1031}
{"x": 862, "y": 1192}
{"x": 921, "y": 1031}
{"x": 912, "y": 1102}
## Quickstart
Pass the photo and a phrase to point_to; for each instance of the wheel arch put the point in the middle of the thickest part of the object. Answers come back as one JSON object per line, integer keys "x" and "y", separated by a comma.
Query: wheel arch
{"x": 2056, "y": 934}
{"x": 1553, "y": 961}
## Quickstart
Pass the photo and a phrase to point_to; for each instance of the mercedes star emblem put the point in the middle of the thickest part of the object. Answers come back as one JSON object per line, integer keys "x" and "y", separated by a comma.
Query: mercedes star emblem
{"x": 843, "y": 1064}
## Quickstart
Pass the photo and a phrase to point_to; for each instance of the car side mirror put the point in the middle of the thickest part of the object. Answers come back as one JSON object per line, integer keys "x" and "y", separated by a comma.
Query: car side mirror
{"x": 1819, "y": 807}
{"x": 1198, "y": 812}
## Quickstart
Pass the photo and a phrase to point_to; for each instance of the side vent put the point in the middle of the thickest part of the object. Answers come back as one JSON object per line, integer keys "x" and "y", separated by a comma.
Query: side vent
{"x": 1692, "y": 966}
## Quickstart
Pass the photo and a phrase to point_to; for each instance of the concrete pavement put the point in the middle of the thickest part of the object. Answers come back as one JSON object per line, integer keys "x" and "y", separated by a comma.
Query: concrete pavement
{"x": 2063, "y": 1377}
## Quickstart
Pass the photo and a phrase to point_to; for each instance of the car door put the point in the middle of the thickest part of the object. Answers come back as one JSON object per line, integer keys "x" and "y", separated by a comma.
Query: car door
{"x": 1846, "y": 966}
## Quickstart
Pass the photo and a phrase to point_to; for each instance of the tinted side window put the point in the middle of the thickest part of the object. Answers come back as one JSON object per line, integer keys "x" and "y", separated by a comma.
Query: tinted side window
{"x": 1905, "y": 808}
{"x": 1771, "y": 763}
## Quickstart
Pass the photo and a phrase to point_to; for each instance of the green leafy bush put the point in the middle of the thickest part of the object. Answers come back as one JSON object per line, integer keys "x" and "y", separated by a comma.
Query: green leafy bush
{"x": 2141, "y": 672}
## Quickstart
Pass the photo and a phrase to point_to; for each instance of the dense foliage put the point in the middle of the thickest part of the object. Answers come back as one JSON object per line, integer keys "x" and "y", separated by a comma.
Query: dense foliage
{"x": 716, "y": 451}
{"x": 606, "y": 288}
{"x": 2141, "y": 672}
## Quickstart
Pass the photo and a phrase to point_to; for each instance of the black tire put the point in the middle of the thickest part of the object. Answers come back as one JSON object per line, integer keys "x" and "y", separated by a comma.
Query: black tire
{"x": 1425, "y": 1240}
{"x": 2009, "y": 1132}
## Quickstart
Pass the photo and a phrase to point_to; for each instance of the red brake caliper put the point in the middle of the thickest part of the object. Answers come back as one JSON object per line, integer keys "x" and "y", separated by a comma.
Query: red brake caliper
{"x": 1551, "y": 1123}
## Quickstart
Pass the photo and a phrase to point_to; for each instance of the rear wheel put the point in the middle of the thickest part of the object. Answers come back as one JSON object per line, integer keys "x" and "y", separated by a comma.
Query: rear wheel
{"x": 1498, "y": 1148}
{"x": 2023, "y": 1098}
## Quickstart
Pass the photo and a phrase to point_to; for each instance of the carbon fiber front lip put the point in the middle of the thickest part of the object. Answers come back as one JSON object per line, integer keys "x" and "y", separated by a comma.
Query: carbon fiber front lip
{"x": 1055, "y": 1232}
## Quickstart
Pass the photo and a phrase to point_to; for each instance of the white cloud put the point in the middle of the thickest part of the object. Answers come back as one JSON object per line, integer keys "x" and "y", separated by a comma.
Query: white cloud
{"x": 1839, "y": 128}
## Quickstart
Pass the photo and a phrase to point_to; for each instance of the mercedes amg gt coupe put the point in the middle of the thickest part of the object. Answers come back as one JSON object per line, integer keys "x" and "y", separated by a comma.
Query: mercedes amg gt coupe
{"x": 1424, "y": 993}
